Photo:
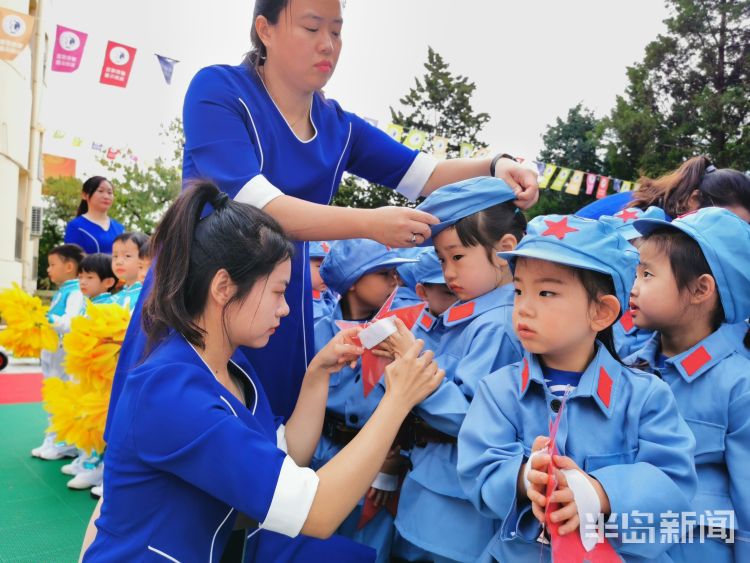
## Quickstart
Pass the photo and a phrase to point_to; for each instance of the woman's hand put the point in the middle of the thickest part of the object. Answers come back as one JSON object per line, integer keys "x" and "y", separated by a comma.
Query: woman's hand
{"x": 522, "y": 180}
{"x": 397, "y": 343}
{"x": 342, "y": 349}
{"x": 411, "y": 378}
{"x": 400, "y": 226}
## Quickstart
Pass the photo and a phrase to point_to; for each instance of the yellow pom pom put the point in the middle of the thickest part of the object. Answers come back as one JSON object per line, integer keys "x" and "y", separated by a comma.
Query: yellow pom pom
{"x": 28, "y": 331}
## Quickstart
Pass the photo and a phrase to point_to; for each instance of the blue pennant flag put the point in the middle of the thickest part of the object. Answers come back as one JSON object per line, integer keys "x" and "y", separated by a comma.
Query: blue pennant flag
{"x": 167, "y": 67}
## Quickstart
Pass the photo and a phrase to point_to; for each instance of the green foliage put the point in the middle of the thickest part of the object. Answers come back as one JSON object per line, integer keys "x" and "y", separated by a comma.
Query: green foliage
{"x": 62, "y": 196}
{"x": 439, "y": 104}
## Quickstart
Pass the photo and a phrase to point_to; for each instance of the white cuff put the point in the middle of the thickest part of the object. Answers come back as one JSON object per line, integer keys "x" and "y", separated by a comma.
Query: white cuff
{"x": 258, "y": 192}
{"x": 413, "y": 182}
{"x": 527, "y": 467}
{"x": 385, "y": 482}
{"x": 588, "y": 505}
{"x": 292, "y": 499}
{"x": 281, "y": 438}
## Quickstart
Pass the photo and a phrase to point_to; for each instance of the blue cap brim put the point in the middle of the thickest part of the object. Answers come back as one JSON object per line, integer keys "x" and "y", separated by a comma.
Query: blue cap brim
{"x": 390, "y": 263}
{"x": 556, "y": 254}
{"x": 436, "y": 278}
{"x": 647, "y": 226}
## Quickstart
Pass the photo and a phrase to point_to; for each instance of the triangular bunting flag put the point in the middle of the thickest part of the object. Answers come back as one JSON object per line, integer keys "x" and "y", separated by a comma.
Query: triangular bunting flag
{"x": 167, "y": 67}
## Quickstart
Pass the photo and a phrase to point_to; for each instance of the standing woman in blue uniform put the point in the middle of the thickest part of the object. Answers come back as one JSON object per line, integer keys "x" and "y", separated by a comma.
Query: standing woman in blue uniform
{"x": 193, "y": 444}
{"x": 266, "y": 135}
{"x": 93, "y": 229}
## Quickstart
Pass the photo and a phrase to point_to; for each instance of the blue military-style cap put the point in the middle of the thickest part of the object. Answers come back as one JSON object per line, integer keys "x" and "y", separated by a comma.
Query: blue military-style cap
{"x": 623, "y": 220}
{"x": 587, "y": 244}
{"x": 406, "y": 271}
{"x": 724, "y": 239}
{"x": 319, "y": 249}
{"x": 349, "y": 260}
{"x": 453, "y": 202}
{"x": 429, "y": 269}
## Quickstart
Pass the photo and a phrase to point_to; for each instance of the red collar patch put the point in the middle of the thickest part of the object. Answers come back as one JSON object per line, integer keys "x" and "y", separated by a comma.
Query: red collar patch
{"x": 316, "y": 294}
{"x": 696, "y": 360}
{"x": 559, "y": 229}
{"x": 604, "y": 388}
{"x": 627, "y": 215}
{"x": 627, "y": 321}
{"x": 325, "y": 247}
{"x": 525, "y": 375}
{"x": 461, "y": 311}
{"x": 426, "y": 321}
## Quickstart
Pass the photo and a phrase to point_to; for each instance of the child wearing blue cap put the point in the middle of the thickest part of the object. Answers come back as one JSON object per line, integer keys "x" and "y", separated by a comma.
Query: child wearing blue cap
{"x": 435, "y": 519}
{"x": 628, "y": 337}
{"x": 362, "y": 272}
{"x": 621, "y": 436}
{"x": 693, "y": 282}
{"x": 406, "y": 295}
{"x": 324, "y": 300}
{"x": 431, "y": 288}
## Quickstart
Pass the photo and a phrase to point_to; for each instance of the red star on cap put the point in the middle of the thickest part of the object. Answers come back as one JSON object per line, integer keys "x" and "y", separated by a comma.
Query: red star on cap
{"x": 627, "y": 215}
{"x": 558, "y": 229}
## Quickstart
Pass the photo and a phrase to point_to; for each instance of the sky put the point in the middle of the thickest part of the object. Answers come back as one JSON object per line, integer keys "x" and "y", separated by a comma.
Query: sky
{"x": 531, "y": 61}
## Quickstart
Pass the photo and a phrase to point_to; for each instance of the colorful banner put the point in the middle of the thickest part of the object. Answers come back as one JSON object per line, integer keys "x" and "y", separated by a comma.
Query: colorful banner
{"x": 58, "y": 134}
{"x": 540, "y": 167}
{"x": 636, "y": 187}
{"x": 590, "y": 183}
{"x": 112, "y": 153}
{"x": 77, "y": 142}
{"x": 97, "y": 146}
{"x": 118, "y": 60}
{"x": 602, "y": 189}
{"x": 395, "y": 131}
{"x": 415, "y": 139}
{"x": 68, "y": 52}
{"x": 626, "y": 186}
{"x": 549, "y": 171}
{"x": 167, "y": 67}
{"x": 465, "y": 150}
{"x": 440, "y": 147}
{"x": 574, "y": 186}
{"x": 482, "y": 153}
{"x": 559, "y": 182}
{"x": 58, "y": 166}
{"x": 616, "y": 185}
{"x": 15, "y": 32}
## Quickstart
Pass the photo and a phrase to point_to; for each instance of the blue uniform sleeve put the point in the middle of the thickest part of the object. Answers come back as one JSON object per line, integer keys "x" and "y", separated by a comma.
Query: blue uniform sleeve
{"x": 377, "y": 157}
{"x": 219, "y": 133}
{"x": 74, "y": 236}
{"x": 662, "y": 476}
{"x": 737, "y": 450}
{"x": 446, "y": 407}
{"x": 183, "y": 427}
{"x": 490, "y": 456}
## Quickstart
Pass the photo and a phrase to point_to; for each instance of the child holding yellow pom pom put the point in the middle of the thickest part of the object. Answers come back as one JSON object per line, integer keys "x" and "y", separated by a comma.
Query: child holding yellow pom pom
{"x": 64, "y": 261}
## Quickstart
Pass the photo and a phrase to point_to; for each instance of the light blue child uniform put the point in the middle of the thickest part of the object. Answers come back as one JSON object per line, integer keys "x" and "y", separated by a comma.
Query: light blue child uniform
{"x": 128, "y": 295}
{"x": 65, "y": 305}
{"x": 323, "y": 301}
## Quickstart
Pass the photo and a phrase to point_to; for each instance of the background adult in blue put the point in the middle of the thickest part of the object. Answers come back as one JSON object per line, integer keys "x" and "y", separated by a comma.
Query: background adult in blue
{"x": 695, "y": 184}
{"x": 93, "y": 229}
{"x": 264, "y": 132}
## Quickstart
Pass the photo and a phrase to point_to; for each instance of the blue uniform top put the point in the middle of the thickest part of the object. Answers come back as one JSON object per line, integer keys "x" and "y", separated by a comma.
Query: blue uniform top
{"x": 606, "y": 206}
{"x": 323, "y": 303}
{"x": 236, "y": 136}
{"x": 620, "y": 425}
{"x": 184, "y": 455}
{"x": 128, "y": 295}
{"x": 711, "y": 383}
{"x": 66, "y": 303}
{"x": 90, "y": 236}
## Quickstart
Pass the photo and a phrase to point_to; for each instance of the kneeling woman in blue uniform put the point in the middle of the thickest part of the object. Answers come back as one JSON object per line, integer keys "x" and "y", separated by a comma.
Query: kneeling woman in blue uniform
{"x": 193, "y": 444}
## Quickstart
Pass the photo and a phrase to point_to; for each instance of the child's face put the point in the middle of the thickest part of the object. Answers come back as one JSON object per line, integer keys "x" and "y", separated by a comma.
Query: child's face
{"x": 438, "y": 296}
{"x": 125, "y": 261}
{"x": 317, "y": 282}
{"x": 552, "y": 315}
{"x": 374, "y": 288}
{"x": 467, "y": 269}
{"x": 92, "y": 285}
{"x": 60, "y": 270}
{"x": 655, "y": 300}
{"x": 143, "y": 265}
{"x": 253, "y": 321}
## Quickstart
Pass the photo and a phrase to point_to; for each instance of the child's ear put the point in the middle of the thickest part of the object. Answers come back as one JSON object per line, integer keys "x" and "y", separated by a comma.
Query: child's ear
{"x": 109, "y": 283}
{"x": 605, "y": 312}
{"x": 702, "y": 289}
{"x": 507, "y": 243}
{"x": 420, "y": 291}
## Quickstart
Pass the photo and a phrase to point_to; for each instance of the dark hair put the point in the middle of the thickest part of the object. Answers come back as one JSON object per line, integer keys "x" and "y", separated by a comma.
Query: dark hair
{"x": 237, "y": 237}
{"x": 89, "y": 188}
{"x": 99, "y": 264}
{"x": 687, "y": 261}
{"x": 139, "y": 239}
{"x": 271, "y": 10}
{"x": 716, "y": 187}
{"x": 69, "y": 253}
{"x": 488, "y": 226}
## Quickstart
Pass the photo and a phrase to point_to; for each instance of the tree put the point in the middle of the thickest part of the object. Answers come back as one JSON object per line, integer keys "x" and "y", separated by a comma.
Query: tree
{"x": 438, "y": 104}
{"x": 689, "y": 95}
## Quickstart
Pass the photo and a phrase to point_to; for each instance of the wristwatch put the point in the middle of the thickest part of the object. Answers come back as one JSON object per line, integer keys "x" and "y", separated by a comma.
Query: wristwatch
{"x": 498, "y": 157}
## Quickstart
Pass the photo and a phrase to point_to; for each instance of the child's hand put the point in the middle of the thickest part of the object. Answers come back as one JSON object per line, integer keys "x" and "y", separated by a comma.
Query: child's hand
{"x": 396, "y": 345}
{"x": 537, "y": 477}
{"x": 567, "y": 515}
{"x": 341, "y": 350}
{"x": 379, "y": 498}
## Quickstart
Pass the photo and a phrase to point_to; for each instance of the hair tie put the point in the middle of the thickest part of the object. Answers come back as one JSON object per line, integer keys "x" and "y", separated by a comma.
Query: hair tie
{"x": 220, "y": 201}
{"x": 710, "y": 168}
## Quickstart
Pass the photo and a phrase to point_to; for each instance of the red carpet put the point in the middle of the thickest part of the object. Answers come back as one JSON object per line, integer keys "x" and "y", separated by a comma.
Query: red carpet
{"x": 20, "y": 388}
